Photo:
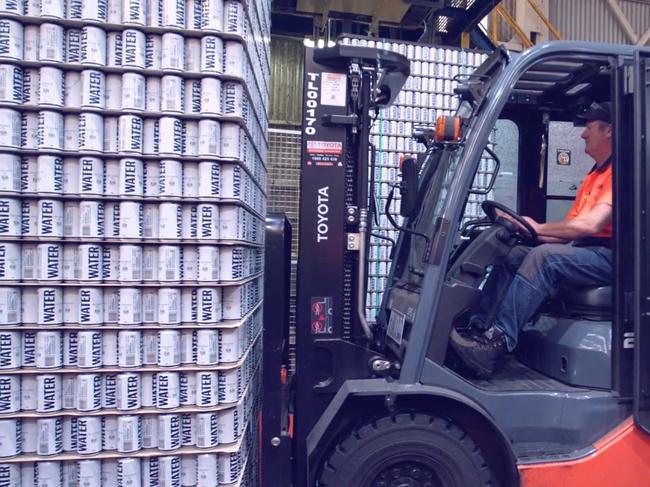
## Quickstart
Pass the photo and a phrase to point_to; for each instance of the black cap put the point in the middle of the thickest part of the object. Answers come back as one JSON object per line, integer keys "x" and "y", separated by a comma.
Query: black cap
{"x": 597, "y": 111}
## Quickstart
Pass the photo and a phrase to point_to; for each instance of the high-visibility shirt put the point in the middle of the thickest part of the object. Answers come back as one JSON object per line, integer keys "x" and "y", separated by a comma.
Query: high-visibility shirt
{"x": 594, "y": 190}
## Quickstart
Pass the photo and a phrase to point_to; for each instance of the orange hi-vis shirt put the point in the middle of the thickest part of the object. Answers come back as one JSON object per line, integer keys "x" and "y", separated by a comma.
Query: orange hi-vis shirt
{"x": 594, "y": 190}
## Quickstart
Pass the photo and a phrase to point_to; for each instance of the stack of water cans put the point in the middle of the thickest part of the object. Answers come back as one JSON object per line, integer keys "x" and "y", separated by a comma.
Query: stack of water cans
{"x": 427, "y": 94}
{"x": 132, "y": 203}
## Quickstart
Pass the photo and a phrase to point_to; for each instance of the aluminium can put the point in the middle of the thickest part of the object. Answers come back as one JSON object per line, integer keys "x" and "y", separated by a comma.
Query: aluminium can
{"x": 109, "y": 397}
{"x": 171, "y": 136}
{"x": 130, "y": 307}
{"x": 89, "y": 392}
{"x": 11, "y": 39}
{"x": 130, "y": 224}
{"x": 190, "y": 180}
{"x": 93, "y": 89}
{"x": 229, "y": 385}
{"x": 49, "y": 349}
{"x": 210, "y": 96}
{"x": 153, "y": 52}
{"x": 70, "y": 340}
{"x": 190, "y": 222}
{"x": 191, "y": 138}
{"x": 114, "y": 94}
{"x": 192, "y": 93}
{"x": 190, "y": 264}
{"x": 10, "y": 127}
{"x": 129, "y": 439}
{"x": 169, "y": 349}
{"x": 129, "y": 473}
{"x": 109, "y": 472}
{"x": 173, "y": 96}
{"x": 71, "y": 133}
{"x": 173, "y": 52}
{"x": 193, "y": 55}
{"x": 30, "y": 42}
{"x": 206, "y": 466}
{"x": 12, "y": 217}
{"x": 188, "y": 430}
{"x": 207, "y": 347}
{"x": 234, "y": 17}
{"x": 207, "y": 392}
{"x": 188, "y": 471}
{"x": 93, "y": 46}
{"x": 150, "y": 465}
{"x": 193, "y": 14}
{"x": 29, "y": 130}
{"x": 152, "y": 178}
{"x": 89, "y": 435}
{"x": 10, "y": 261}
{"x": 170, "y": 470}
{"x": 172, "y": 14}
{"x": 49, "y": 262}
{"x": 230, "y": 345}
{"x": 131, "y": 181}
{"x": 49, "y": 178}
{"x": 111, "y": 135}
{"x": 151, "y": 142}
{"x": 51, "y": 43}
{"x": 71, "y": 262}
{"x": 31, "y": 83}
{"x": 25, "y": 311}
{"x": 154, "y": 13}
{"x": 169, "y": 307}
{"x": 233, "y": 99}
{"x": 130, "y": 263}
{"x": 208, "y": 221}
{"x": 151, "y": 222}
{"x": 90, "y": 262}
{"x": 170, "y": 178}
{"x": 72, "y": 89}
{"x": 134, "y": 45}
{"x": 133, "y": 92}
{"x": 48, "y": 474}
{"x": 114, "y": 49}
{"x": 89, "y": 342}
{"x": 50, "y": 90}
{"x": 73, "y": 46}
{"x": 209, "y": 184}
{"x": 211, "y": 55}
{"x": 209, "y": 138}
{"x": 187, "y": 384}
{"x": 234, "y": 59}
{"x": 111, "y": 432}
{"x": 207, "y": 430}
{"x": 167, "y": 390}
{"x": 208, "y": 263}
{"x": 230, "y": 425}
{"x": 10, "y": 391}
{"x": 189, "y": 305}
{"x": 130, "y": 134}
{"x": 12, "y": 7}
{"x": 111, "y": 316}
{"x": 10, "y": 475}
{"x": 169, "y": 263}
{"x": 228, "y": 467}
{"x": 150, "y": 316}
{"x": 148, "y": 388}
{"x": 153, "y": 94}
{"x": 90, "y": 176}
{"x": 212, "y": 12}
{"x": 50, "y": 436}
{"x": 28, "y": 393}
{"x": 88, "y": 472}
{"x": 92, "y": 219}
{"x": 128, "y": 392}
{"x": 69, "y": 401}
{"x": 149, "y": 337}
{"x": 114, "y": 15}
{"x": 170, "y": 221}
{"x": 111, "y": 263}
{"x": 11, "y": 84}
{"x": 52, "y": 8}
{"x": 50, "y": 130}
{"x": 134, "y": 12}
{"x": 150, "y": 264}
{"x": 94, "y": 11}
{"x": 169, "y": 432}
{"x": 91, "y": 132}
{"x": 130, "y": 349}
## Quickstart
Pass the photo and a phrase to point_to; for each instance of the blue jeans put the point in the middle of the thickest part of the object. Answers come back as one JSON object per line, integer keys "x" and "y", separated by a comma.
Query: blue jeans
{"x": 524, "y": 279}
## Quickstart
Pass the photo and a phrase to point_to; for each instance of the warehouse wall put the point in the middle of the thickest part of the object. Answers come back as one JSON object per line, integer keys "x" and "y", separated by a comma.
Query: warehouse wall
{"x": 287, "y": 59}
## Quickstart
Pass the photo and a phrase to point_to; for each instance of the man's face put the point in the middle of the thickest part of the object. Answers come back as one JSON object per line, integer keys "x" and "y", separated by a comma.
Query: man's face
{"x": 598, "y": 138}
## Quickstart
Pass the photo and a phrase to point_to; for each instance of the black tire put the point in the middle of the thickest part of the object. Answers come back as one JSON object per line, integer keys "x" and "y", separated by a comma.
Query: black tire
{"x": 407, "y": 450}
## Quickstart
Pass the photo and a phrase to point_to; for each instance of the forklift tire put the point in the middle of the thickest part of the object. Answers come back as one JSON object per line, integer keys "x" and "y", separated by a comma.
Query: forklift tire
{"x": 407, "y": 449}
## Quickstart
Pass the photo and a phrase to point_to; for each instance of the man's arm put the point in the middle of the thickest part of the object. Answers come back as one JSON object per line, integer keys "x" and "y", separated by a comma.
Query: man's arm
{"x": 580, "y": 227}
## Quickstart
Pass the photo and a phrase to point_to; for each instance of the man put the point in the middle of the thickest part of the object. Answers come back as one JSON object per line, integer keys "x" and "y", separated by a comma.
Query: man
{"x": 577, "y": 255}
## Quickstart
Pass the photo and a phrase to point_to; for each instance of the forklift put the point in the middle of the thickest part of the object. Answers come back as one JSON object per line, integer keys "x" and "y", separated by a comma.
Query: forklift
{"x": 386, "y": 404}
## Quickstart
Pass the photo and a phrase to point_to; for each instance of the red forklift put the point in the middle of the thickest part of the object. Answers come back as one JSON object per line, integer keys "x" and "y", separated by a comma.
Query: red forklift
{"x": 386, "y": 404}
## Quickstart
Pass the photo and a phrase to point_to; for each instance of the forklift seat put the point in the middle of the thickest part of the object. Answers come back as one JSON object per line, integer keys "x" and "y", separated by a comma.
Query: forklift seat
{"x": 589, "y": 302}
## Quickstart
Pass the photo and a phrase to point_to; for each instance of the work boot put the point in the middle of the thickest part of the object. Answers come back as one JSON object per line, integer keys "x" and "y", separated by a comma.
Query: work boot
{"x": 480, "y": 352}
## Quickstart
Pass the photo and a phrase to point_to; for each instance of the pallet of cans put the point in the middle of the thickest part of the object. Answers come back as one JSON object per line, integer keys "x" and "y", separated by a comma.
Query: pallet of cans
{"x": 427, "y": 94}
{"x": 132, "y": 203}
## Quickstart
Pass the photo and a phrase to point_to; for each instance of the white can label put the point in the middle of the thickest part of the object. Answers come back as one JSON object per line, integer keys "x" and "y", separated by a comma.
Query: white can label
{"x": 211, "y": 96}
{"x": 11, "y": 84}
{"x": 207, "y": 389}
{"x": 167, "y": 390}
{"x": 93, "y": 46}
{"x": 134, "y": 48}
{"x": 170, "y": 178}
{"x": 173, "y": 52}
{"x": 49, "y": 393}
{"x": 10, "y": 262}
{"x": 207, "y": 430}
{"x": 169, "y": 312}
{"x": 130, "y": 309}
{"x": 212, "y": 15}
{"x": 50, "y": 262}
{"x": 211, "y": 54}
{"x": 169, "y": 263}
{"x": 209, "y": 138}
{"x": 91, "y": 176}
{"x": 133, "y": 92}
{"x": 171, "y": 216}
{"x": 171, "y": 136}
{"x": 169, "y": 432}
{"x": 130, "y": 134}
{"x": 209, "y": 180}
{"x": 131, "y": 177}
{"x": 93, "y": 91}
{"x": 89, "y": 392}
{"x": 130, "y": 349}
{"x": 11, "y": 39}
{"x": 192, "y": 96}
{"x": 50, "y": 436}
{"x": 129, "y": 438}
{"x": 89, "y": 342}
{"x": 50, "y": 310}
{"x": 172, "y": 88}
{"x": 9, "y": 393}
{"x": 208, "y": 221}
{"x": 10, "y": 126}
{"x": 128, "y": 392}
{"x": 89, "y": 435}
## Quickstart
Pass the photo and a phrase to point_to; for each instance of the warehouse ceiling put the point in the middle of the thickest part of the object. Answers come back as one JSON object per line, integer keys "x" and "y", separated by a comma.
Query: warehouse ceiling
{"x": 438, "y": 20}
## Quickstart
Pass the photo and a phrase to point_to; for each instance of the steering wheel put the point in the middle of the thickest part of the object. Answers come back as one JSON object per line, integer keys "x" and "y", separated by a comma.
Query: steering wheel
{"x": 522, "y": 227}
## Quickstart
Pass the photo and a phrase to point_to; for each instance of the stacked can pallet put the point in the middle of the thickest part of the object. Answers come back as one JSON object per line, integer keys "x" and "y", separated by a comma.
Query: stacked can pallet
{"x": 427, "y": 94}
{"x": 132, "y": 204}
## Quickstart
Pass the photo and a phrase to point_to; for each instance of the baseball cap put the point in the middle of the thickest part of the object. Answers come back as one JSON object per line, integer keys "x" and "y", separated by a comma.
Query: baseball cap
{"x": 597, "y": 111}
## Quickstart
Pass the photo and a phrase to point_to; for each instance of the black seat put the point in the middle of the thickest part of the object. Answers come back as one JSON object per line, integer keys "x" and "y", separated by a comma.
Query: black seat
{"x": 589, "y": 302}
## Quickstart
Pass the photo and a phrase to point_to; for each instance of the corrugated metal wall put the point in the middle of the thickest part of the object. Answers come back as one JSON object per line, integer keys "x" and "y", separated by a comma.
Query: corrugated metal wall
{"x": 592, "y": 20}
{"x": 287, "y": 59}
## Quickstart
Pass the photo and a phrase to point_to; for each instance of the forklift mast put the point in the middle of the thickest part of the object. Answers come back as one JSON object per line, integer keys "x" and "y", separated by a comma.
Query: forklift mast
{"x": 343, "y": 86}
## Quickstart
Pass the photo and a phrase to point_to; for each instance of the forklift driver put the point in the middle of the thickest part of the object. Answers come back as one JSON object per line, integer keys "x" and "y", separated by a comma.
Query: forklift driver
{"x": 577, "y": 253}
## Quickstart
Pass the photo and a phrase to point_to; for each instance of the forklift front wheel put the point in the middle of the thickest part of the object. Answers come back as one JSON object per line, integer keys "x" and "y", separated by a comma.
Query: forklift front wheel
{"x": 407, "y": 449}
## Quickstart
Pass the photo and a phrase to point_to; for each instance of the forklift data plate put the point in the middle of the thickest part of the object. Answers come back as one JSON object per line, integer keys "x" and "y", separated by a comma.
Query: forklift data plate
{"x": 395, "y": 328}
